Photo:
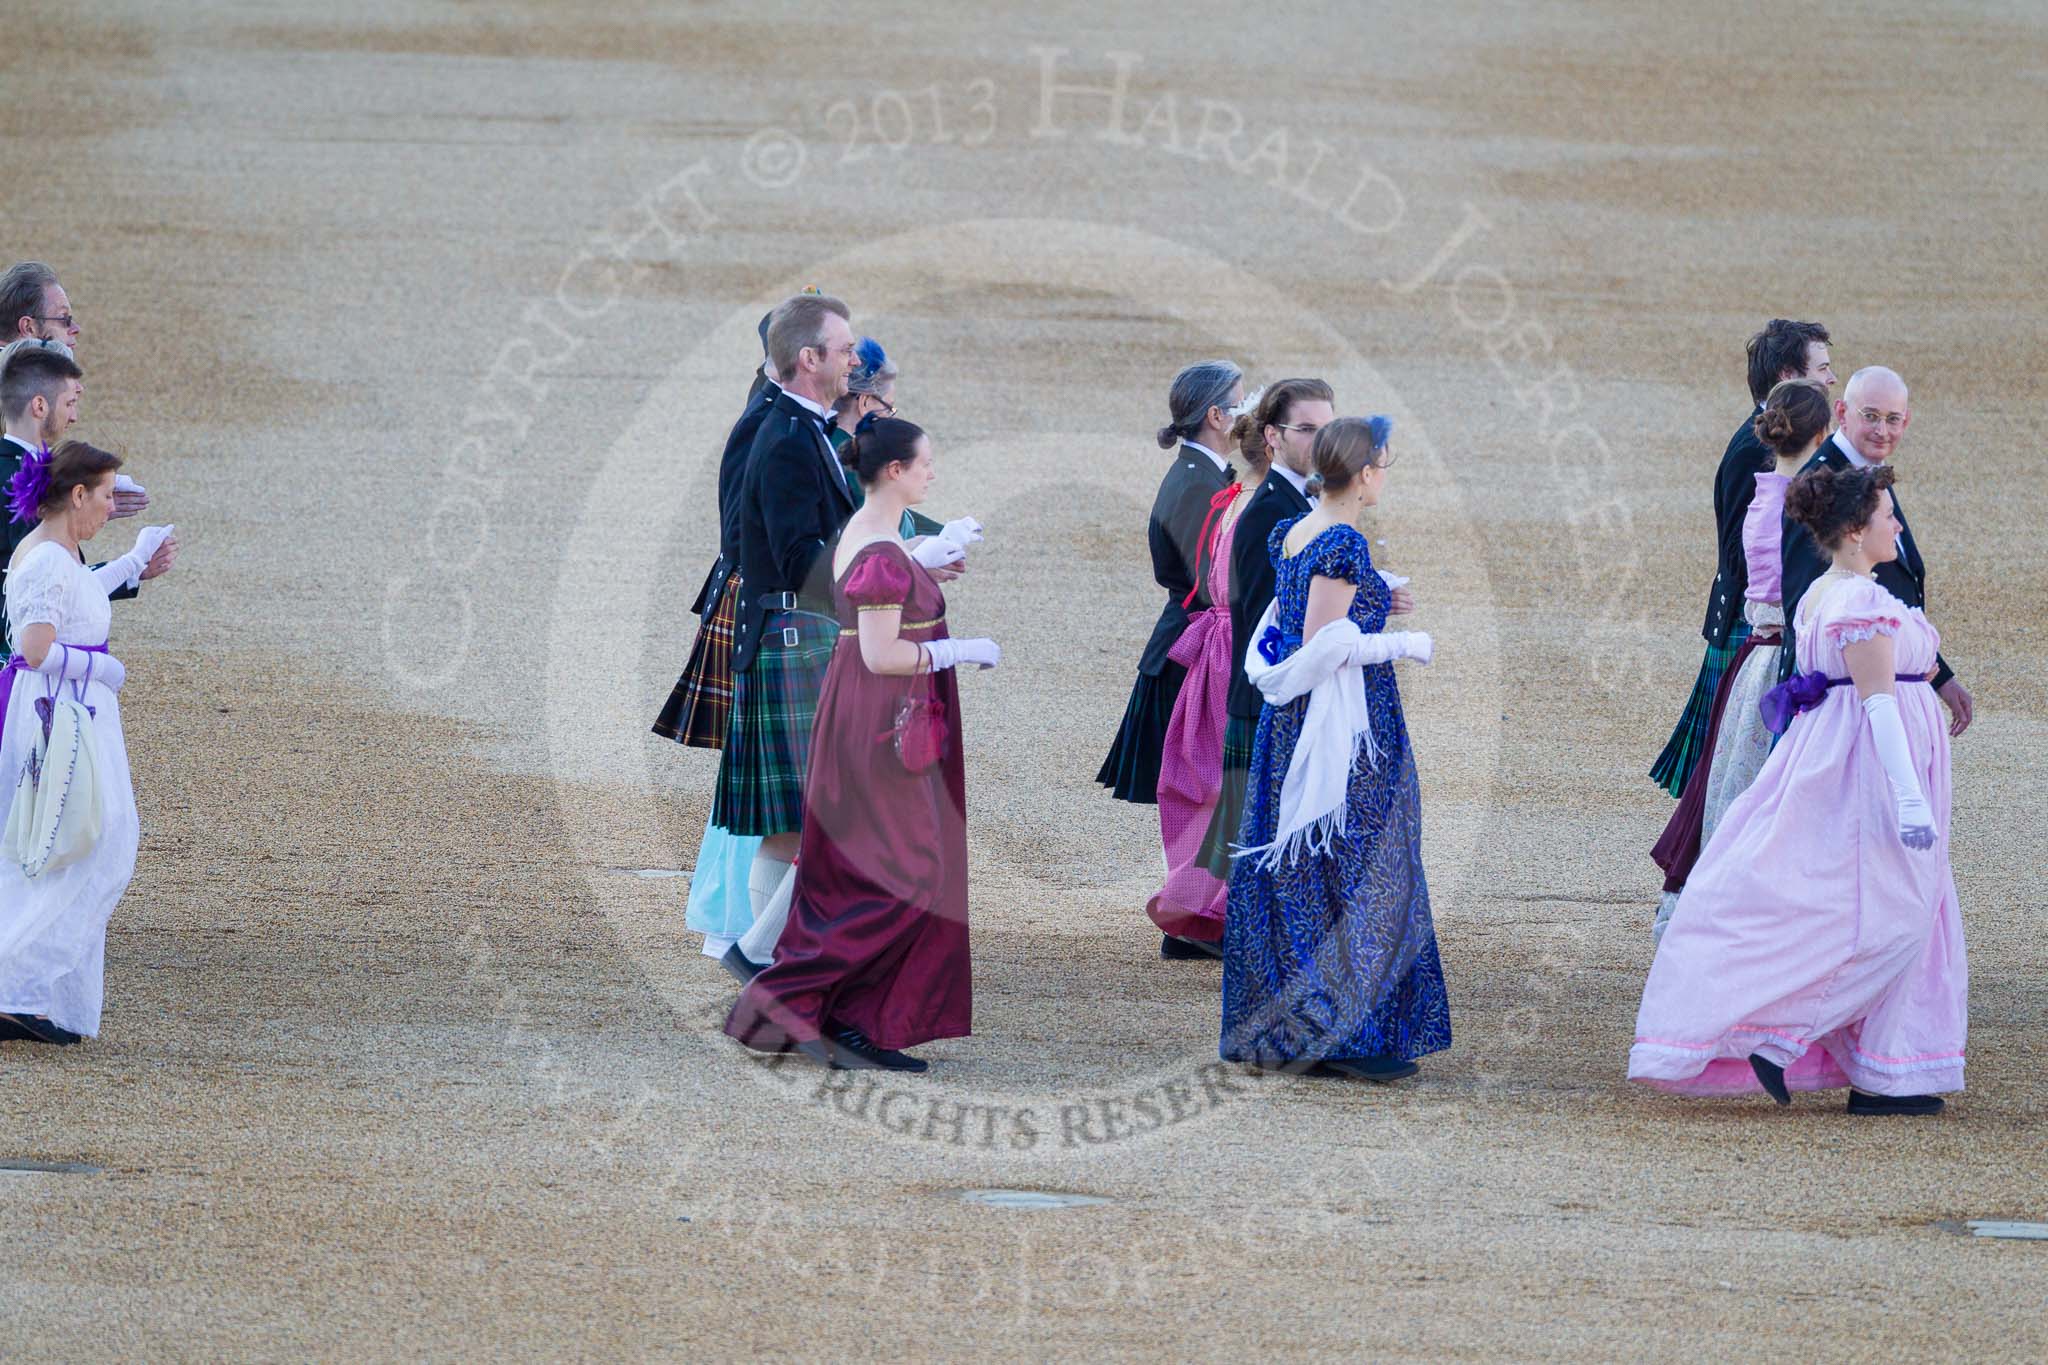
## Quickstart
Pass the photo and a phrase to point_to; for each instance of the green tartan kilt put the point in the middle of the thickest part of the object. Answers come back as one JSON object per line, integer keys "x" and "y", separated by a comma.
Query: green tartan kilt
{"x": 768, "y": 741}
{"x": 1685, "y": 746}
{"x": 1229, "y": 813}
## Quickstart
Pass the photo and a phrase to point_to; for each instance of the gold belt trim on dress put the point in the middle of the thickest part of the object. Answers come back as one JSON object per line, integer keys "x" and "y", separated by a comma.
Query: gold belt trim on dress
{"x": 906, "y": 625}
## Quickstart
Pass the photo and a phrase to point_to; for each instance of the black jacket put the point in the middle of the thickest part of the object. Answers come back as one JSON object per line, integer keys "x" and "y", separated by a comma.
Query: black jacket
{"x": 1175, "y": 538}
{"x": 793, "y": 503}
{"x": 1251, "y": 578}
{"x": 1734, "y": 486}
{"x": 732, "y": 470}
{"x": 1904, "y": 578}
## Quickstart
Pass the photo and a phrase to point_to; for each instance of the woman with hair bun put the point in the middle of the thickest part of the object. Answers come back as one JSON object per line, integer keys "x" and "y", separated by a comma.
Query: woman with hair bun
{"x": 1188, "y": 907}
{"x": 54, "y": 909}
{"x": 1329, "y": 954}
{"x": 1791, "y": 426}
{"x": 873, "y": 958}
{"x": 1818, "y": 943}
{"x": 1199, "y": 405}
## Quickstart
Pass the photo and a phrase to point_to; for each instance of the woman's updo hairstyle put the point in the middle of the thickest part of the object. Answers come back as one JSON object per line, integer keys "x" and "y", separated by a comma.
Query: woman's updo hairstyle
{"x": 1796, "y": 411}
{"x": 1831, "y": 503}
{"x": 1346, "y": 447}
{"x": 1196, "y": 389}
{"x": 879, "y": 442}
{"x": 74, "y": 464}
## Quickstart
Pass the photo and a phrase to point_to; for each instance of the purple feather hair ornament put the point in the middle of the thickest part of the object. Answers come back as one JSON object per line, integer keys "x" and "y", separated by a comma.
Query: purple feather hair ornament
{"x": 25, "y": 490}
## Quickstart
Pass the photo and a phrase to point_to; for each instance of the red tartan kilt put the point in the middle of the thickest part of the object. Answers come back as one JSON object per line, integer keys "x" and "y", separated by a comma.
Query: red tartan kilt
{"x": 699, "y": 709}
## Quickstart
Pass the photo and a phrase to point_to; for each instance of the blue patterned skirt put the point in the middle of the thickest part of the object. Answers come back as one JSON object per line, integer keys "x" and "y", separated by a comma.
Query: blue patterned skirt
{"x": 1334, "y": 956}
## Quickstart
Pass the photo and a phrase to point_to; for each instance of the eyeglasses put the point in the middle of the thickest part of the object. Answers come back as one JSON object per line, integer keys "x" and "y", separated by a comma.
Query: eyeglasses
{"x": 1872, "y": 417}
{"x": 1305, "y": 428}
{"x": 67, "y": 320}
{"x": 883, "y": 406}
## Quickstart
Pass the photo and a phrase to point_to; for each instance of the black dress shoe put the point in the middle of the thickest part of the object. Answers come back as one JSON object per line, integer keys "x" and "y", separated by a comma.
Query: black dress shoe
{"x": 11, "y": 1032}
{"x": 1860, "y": 1103}
{"x": 1174, "y": 948}
{"x": 34, "y": 1030}
{"x": 739, "y": 965}
{"x": 856, "y": 1053}
{"x": 1379, "y": 1070}
{"x": 1771, "y": 1077}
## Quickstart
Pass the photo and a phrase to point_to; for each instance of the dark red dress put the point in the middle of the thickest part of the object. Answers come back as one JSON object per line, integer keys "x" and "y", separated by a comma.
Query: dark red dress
{"x": 877, "y": 933}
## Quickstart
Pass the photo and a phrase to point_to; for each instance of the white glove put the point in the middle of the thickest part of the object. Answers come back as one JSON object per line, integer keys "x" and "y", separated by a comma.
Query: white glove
{"x": 1392, "y": 580}
{"x": 1389, "y": 645}
{"x": 1916, "y": 819}
{"x": 962, "y": 531}
{"x": 128, "y": 568}
{"x": 947, "y": 653}
{"x": 73, "y": 665}
{"x": 936, "y": 552}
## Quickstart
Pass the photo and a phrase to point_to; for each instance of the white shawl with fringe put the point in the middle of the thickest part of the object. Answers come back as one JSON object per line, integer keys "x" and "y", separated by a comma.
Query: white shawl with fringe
{"x": 1313, "y": 804}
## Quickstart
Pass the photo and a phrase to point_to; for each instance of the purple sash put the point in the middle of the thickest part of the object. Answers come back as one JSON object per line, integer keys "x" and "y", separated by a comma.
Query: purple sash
{"x": 17, "y": 664}
{"x": 1802, "y": 692}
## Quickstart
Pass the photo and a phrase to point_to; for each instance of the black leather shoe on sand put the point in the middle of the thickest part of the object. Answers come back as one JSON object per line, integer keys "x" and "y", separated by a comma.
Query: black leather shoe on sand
{"x": 1176, "y": 949}
{"x": 1860, "y": 1103}
{"x": 1771, "y": 1077}
{"x": 1379, "y": 1070}
{"x": 857, "y": 1053}
{"x": 736, "y": 962}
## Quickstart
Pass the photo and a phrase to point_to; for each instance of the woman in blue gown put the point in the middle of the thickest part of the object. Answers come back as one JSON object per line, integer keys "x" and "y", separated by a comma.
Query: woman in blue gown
{"x": 1330, "y": 957}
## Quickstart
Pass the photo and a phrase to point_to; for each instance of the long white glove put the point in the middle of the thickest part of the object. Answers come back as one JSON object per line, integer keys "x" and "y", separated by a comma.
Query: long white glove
{"x": 127, "y": 570}
{"x": 73, "y": 665}
{"x": 947, "y": 653}
{"x": 936, "y": 552}
{"x": 961, "y": 531}
{"x": 1916, "y": 819}
{"x": 1389, "y": 645}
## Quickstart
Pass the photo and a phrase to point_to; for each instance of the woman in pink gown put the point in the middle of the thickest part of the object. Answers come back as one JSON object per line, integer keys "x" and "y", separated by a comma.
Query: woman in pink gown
{"x": 874, "y": 956}
{"x": 1188, "y": 908}
{"x": 1818, "y": 942}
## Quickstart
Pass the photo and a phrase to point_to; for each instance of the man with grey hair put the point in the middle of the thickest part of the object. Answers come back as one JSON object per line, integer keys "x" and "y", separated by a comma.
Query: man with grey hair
{"x": 1199, "y": 407}
{"x": 1871, "y": 419}
{"x": 35, "y": 306}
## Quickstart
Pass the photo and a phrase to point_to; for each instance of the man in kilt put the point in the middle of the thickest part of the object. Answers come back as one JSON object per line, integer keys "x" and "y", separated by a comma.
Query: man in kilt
{"x": 792, "y": 502}
{"x": 1784, "y": 349}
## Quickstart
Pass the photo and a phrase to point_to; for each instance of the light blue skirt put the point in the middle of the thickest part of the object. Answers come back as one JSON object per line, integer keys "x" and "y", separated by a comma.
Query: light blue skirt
{"x": 719, "y": 903}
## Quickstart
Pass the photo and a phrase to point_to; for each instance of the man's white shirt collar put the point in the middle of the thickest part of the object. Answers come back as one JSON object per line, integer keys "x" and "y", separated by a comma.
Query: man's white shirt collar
{"x": 1300, "y": 481}
{"x": 1222, "y": 464}
{"x": 1854, "y": 455}
{"x": 824, "y": 413}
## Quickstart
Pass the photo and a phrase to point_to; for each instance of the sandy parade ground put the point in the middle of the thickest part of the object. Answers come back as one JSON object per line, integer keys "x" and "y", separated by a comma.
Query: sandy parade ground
{"x": 424, "y": 322}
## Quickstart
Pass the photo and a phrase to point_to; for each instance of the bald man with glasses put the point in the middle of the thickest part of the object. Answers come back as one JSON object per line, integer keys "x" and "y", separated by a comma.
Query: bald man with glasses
{"x": 1871, "y": 416}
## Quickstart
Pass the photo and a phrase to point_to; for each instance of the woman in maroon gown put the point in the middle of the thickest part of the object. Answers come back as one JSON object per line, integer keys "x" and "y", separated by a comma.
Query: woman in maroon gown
{"x": 874, "y": 958}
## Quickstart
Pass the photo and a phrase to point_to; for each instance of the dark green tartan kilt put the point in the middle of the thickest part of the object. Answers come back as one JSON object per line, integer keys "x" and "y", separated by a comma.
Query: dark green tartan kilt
{"x": 768, "y": 743}
{"x": 1229, "y": 813}
{"x": 1687, "y": 741}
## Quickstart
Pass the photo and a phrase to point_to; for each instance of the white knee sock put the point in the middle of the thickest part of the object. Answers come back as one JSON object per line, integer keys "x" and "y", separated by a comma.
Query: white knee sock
{"x": 770, "y": 884}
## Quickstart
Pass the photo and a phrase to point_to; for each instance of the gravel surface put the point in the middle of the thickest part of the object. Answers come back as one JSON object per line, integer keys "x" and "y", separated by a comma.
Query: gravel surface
{"x": 424, "y": 322}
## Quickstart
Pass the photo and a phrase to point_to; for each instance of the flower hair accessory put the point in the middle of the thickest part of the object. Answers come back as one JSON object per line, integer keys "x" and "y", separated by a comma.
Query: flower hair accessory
{"x": 866, "y": 424}
{"x": 1250, "y": 403}
{"x": 25, "y": 490}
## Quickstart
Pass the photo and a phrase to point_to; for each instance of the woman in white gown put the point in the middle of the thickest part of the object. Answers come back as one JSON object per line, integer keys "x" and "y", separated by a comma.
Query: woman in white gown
{"x": 53, "y": 927}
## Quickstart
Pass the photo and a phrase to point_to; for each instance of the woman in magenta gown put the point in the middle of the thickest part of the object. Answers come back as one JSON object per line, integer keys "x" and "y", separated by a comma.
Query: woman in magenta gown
{"x": 875, "y": 956}
{"x": 1188, "y": 906}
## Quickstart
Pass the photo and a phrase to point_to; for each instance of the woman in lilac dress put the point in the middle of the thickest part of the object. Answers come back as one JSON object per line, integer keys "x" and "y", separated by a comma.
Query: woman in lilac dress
{"x": 1793, "y": 423}
{"x": 874, "y": 956}
{"x": 1818, "y": 943}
